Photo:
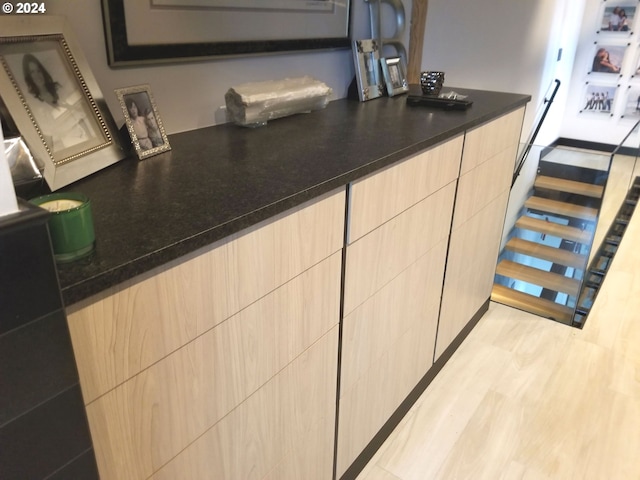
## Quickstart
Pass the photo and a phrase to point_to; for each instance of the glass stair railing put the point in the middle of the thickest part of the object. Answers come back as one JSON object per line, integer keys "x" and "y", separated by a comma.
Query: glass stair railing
{"x": 546, "y": 248}
{"x": 568, "y": 210}
{"x": 604, "y": 254}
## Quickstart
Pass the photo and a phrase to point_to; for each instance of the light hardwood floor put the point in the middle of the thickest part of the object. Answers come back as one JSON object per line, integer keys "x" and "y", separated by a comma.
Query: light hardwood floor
{"x": 528, "y": 398}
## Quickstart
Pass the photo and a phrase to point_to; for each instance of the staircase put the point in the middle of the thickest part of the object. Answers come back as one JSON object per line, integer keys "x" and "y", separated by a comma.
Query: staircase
{"x": 543, "y": 262}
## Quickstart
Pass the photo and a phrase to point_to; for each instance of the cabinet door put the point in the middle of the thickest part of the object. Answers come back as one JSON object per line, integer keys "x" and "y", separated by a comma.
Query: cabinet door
{"x": 250, "y": 391}
{"x": 400, "y": 220}
{"x": 128, "y": 328}
{"x": 381, "y": 196}
{"x": 481, "y": 202}
{"x": 387, "y": 347}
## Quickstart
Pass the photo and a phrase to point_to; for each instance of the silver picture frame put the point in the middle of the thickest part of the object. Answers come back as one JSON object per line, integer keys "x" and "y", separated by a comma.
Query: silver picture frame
{"x": 366, "y": 55}
{"x": 143, "y": 121}
{"x": 395, "y": 75}
{"x": 54, "y": 100}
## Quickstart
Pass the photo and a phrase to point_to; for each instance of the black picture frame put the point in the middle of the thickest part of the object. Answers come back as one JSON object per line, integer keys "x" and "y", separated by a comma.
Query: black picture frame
{"x": 121, "y": 52}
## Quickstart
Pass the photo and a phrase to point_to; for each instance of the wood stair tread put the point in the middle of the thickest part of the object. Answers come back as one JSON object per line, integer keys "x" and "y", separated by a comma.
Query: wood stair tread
{"x": 531, "y": 303}
{"x": 549, "y": 280}
{"x": 569, "y": 186}
{"x": 555, "y": 229}
{"x": 544, "y": 252}
{"x": 561, "y": 208}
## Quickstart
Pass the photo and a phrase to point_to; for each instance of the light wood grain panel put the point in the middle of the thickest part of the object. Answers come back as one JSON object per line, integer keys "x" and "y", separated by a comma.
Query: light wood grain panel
{"x": 531, "y": 303}
{"x": 556, "y": 229}
{"x": 570, "y": 186}
{"x": 366, "y": 406}
{"x": 378, "y": 257}
{"x": 143, "y": 423}
{"x": 483, "y": 184}
{"x": 470, "y": 270}
{"x": 117, "y": 334}
{"x": 276, "y": 421}
{"x": 555, "y": 255}
{"x": 383, "y": 195}
{"x": 543, "y": 278}
{"x": 375, "y": 326}
{"x": 562, "y": 208}
{"x": 489, "y": 139}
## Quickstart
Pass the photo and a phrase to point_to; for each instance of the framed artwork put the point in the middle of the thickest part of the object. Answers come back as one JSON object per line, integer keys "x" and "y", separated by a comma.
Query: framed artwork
{"x": 143, "y": 121}
{"x": 598, "y": 99}
{"x": 618, "y": 18}
{"x": 136, "y": 31}
{"x": 607, "y": 58}
{"x": 395, "y": 76}
{"x": 53, "y": 99}
{"x": 366, "y": 55}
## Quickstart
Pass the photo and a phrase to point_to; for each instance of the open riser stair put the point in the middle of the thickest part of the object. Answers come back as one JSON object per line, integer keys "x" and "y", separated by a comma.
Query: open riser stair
{"x": 544, "y": 260}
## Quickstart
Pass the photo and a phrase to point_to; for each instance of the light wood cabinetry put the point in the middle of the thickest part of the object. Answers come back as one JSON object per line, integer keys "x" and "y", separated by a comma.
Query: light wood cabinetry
{"x": 483, "y": 192}
{"x": 226, "y": 363}
{"x": 231, "y": 353}
{"x": 400, "y": 220}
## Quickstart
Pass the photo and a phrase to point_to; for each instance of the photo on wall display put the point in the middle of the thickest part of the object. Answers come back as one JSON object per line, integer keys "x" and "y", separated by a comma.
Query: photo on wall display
{"x": 632, "y": 104}
{"x": 618, "y": 18}
{"x": 598, "y": 99}
{"x": 607, "y": 58}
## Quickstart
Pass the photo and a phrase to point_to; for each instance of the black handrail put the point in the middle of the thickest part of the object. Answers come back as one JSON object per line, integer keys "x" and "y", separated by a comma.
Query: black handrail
{"x": 534, "y": 134}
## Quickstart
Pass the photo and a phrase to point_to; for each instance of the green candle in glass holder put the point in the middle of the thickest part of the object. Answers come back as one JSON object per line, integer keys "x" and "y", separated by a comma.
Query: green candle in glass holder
{"x": 70, "y": 225}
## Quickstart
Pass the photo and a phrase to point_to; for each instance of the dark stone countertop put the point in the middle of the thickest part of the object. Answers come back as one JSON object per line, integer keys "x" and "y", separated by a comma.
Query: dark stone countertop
{"x": 219, "y": 180}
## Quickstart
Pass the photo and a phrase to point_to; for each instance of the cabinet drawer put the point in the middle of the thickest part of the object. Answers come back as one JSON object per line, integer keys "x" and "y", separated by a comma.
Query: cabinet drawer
{"x": 183, "y": 395}
{"x": 387, "y": 348}
{"x": 132, "y": 326}
{"x": 488, "y": 140}
{"x": 480, "y": 186}
{"x": 471, "y": 264}
{"x": 378, "y": 257}
{"x": 379, "y": 197}
{"x": 284, "y": 431}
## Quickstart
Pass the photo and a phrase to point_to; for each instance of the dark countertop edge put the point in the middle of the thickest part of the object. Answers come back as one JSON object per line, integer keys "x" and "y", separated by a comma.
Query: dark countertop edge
{"x": 88, "y": 287}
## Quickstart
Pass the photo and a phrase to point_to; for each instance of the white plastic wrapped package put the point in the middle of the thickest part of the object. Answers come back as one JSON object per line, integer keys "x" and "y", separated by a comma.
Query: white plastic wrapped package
{"x": 255, "y": 103}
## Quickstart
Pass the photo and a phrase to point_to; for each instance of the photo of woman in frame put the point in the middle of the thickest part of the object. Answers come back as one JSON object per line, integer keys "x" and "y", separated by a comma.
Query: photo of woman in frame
{"x": 608, "y": 59}
{"x": 54, "y": 97}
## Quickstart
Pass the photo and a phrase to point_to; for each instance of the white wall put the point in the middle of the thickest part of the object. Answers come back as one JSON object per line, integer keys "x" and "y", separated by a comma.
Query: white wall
{"x": 504, "y": 45}
{"x": 599, "y": 127}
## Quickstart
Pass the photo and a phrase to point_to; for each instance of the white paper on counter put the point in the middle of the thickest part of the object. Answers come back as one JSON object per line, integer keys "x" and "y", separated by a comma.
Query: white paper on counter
{"x": 8, "y": 201}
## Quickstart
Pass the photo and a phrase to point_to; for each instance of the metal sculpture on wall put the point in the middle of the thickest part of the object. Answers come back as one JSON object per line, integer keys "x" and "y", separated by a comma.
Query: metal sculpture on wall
{"x": 375, "y": 16}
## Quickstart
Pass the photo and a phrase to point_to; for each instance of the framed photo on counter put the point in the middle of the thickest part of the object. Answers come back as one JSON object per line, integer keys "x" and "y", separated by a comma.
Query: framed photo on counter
{"x": 55, "y": 102}
{"x": 143, "y": 121}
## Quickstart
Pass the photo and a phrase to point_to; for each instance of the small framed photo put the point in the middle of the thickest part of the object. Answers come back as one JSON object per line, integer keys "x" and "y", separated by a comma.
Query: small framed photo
{"x": 366, "y": 55}
{"x": 632, "y": 103}
{"x": 618, "y": 18}
{"x": 53, "y": 99}
{"x": 395, "y": 76}
{"x": 143, "y": 121}
{"x": 608, "y": 58}
{"x": 598, "y": 99}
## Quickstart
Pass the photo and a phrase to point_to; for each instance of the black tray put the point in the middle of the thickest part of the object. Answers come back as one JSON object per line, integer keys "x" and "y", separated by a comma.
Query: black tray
{"x": 438, "y": 102}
